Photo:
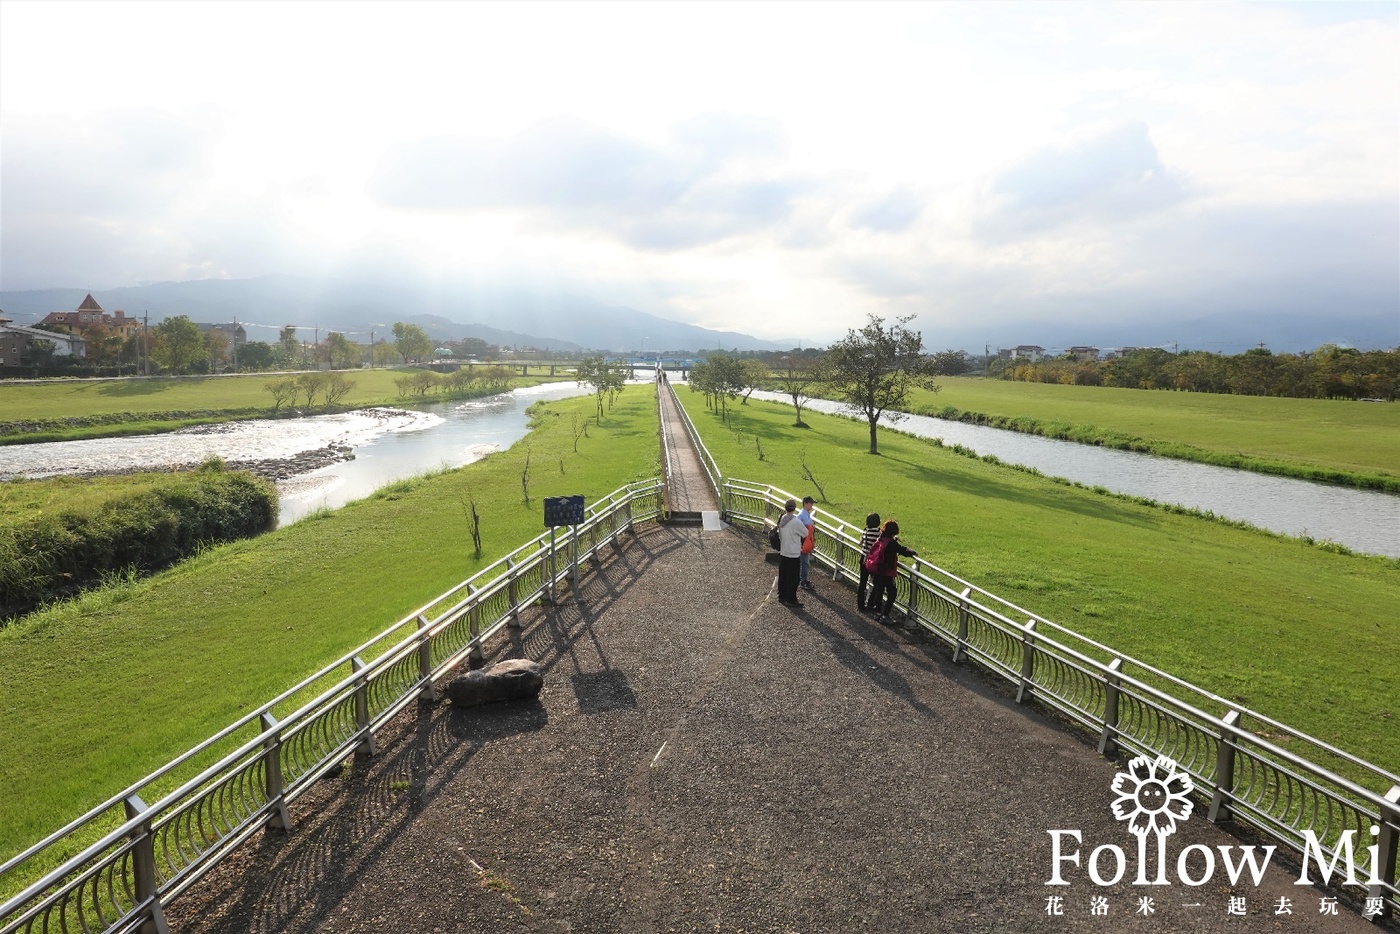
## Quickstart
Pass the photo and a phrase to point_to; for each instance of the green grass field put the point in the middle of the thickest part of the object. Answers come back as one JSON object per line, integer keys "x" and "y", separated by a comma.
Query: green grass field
{"x": 1296, "y": 436}
{"x": 99, "y": 691}
{"x": 1290, "y": 630}
{"x": 223, "y": 396}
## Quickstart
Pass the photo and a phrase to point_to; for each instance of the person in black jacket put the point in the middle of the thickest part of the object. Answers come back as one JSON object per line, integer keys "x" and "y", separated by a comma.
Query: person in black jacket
{"x": 867, "y": 541}
{"x": 887, "y": 550}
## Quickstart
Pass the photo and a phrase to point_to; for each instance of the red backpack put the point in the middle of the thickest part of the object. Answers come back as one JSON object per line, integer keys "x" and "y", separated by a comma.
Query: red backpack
{"x": 875, "y": 561}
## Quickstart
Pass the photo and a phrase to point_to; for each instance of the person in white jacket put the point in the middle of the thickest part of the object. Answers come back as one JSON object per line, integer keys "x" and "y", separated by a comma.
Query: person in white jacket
{"x": 791, "y": 532}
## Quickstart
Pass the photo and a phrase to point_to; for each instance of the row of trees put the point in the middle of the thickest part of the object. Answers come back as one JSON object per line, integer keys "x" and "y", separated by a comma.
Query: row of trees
{"x": 871, "y": 371}
{"x": 1330, "y": 372}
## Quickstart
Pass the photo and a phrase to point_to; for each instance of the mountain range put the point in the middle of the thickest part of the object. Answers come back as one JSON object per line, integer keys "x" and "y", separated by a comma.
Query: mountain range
{"x": 361, "y": 310}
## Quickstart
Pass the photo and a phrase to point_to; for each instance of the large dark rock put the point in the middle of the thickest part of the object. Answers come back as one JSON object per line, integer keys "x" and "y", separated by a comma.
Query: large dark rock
{"x": 514, "y": 679}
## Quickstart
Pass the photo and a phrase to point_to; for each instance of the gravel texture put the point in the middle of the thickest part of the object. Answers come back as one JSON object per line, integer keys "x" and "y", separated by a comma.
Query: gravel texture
{"x": 704, "y": 759}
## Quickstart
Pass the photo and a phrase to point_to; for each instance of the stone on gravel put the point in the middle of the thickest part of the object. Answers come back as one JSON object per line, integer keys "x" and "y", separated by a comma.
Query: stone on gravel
{"x": 513, "y": 679}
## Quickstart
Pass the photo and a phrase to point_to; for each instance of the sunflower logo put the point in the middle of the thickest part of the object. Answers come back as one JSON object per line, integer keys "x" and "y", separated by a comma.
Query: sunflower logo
{"x": 1152, "y": 796}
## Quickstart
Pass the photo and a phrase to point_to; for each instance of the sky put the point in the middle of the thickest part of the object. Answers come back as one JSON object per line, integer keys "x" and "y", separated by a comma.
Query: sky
{"x": 782, "y": 170}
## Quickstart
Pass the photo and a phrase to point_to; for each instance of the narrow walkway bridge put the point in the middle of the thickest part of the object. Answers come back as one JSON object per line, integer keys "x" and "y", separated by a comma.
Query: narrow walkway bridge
{"x": 703, "y": 758}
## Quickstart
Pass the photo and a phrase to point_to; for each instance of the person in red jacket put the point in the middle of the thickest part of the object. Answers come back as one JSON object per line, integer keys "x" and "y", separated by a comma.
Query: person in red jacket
{"x": 883, "y": 563}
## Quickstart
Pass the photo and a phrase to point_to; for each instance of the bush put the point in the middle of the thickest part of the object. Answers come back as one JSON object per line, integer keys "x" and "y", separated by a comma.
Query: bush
{"x": 58, "y": 554}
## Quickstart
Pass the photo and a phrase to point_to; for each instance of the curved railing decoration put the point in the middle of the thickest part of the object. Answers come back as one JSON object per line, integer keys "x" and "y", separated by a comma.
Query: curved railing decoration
{"x": 270, "y": 757}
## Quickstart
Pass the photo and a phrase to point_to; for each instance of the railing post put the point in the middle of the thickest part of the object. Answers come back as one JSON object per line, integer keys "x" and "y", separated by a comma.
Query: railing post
{"x": 840, "y": 563}
{"x": 1385, "y": 854}
{"x": 1108, "y": 739}
{"x": 143, "y": 865}
{"x": 512, "y": 596}
{"x": 474, "y": 655}
{"x": 1027, "y": 661}
{"x": 272, "y": 769}
{"x": 911, "y": 615}
{"x": 960, "y": 647}
{"x": 366, "y": 747}
{"x": 425, "y": 662}
{"x": 1224, "y": 769}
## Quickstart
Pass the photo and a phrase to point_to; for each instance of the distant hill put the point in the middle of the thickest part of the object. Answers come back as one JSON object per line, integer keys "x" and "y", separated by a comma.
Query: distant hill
{"x": 264, "y": 304}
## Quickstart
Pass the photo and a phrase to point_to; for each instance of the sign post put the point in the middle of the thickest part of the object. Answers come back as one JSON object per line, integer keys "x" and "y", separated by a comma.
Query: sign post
{"x": 563, "y": 510}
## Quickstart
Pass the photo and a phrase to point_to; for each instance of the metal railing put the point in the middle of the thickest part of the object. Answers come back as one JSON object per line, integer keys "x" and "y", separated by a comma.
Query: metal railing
{"x": 707, "y": 461}
{"x": 1288, "y": 785}
{"x": 218, "y": 794}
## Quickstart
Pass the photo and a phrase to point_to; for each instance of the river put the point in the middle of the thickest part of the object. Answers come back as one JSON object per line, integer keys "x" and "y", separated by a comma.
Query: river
{"x": 390, "y": 444}
{"x": 1362, "y": 520}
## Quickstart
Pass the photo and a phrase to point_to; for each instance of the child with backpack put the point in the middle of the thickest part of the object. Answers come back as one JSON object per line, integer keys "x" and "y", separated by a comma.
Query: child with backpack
{"x": 883, "y": 565}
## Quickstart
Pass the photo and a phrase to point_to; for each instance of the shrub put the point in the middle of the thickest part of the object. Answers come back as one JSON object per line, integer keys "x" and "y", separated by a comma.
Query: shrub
{"x": 58, "y": 554}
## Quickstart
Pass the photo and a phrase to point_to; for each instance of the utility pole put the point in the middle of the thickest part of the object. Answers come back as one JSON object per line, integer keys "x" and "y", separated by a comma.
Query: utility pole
{"x": 146, "y": 339}
{"x": 234, "y": 337}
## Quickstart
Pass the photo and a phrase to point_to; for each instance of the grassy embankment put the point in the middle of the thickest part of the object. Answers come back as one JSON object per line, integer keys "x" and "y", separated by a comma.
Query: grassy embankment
{"x": 1296, "y": 632}
{"x": 146, "y": 406}
{"x": 101, "y": 690}
{"x": 61, "y": 535}
{"x": 1332, "y": 441}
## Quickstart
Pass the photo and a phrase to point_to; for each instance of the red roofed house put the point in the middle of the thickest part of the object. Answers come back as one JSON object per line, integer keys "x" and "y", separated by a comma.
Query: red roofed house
{"x": 90, "y": 315}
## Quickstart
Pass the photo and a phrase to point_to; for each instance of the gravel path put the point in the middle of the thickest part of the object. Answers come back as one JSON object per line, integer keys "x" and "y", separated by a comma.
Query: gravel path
{"x": 705, "y": 759}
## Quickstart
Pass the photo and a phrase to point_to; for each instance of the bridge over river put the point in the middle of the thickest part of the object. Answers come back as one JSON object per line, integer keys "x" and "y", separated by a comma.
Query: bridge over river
{"x": 703, "y": 758}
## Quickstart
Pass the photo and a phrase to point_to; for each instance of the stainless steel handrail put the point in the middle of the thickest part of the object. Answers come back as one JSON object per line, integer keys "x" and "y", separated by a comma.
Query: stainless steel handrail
{"x": 1217, "y": 748}
{"x": 101, "y": 883}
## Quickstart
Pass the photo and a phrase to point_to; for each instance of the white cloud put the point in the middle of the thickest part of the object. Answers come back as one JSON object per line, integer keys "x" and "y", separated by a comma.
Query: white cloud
{"x": 734, "y": 165}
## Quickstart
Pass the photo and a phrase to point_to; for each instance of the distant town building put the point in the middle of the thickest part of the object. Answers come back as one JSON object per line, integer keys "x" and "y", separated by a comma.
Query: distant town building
{"x": 234, "y": 332}
{"x": 1116, "y": 352}
{"x": 1031, "y": 352}
{"x": 15, "y": 338}
{"x": 1086, "y": 354}
{"x": 90, "y": 315}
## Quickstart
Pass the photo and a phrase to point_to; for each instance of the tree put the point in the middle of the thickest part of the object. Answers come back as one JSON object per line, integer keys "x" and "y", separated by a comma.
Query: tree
{"x": 799, "y": 382}
{"x": 873, "y": 369}
{"x": 342, "y": 353}
{"x": 287, "y": 337}
{"x": 604, "y": 378}
{"x": 411, "y": 341}
{"x": 179, "y": 346}
{"x": 216, "y": 347}
{"x": 256, "y": 355}
{"x": 382, "y": 353}
{"x": 951, "y": 362}
{"x": 753, "y": 374}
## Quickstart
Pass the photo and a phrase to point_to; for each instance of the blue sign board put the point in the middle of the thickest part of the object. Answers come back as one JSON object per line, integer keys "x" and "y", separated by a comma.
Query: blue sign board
{"x": 563, "y": 510}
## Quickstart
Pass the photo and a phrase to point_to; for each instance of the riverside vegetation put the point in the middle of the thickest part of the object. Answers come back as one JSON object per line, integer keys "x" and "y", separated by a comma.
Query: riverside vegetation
{"x": 36, "y": 412}
{"x": 101, "y": 690}
{"x": 61, "y": 535}
{"x": 1300, "y": 633}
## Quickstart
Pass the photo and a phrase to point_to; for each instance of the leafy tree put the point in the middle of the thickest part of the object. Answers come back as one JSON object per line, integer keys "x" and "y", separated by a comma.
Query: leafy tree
{"x": 342, "y": 353}
{"x": 337, "y": 387}
{"x": 799, "y": 381}
{"x": 179, "y": 346}
{"x": 411, "y": 341}
{"x": 256, "y": 355}
{"x": 291, "y": 347}
{"x": 872, "y": 370}
{"x": 282, "y": 390}
{"x": 753, "y": 374}
{"x": 382, "y": 353}
{"x": 216, "y": 346}
{"x": 604, "y": 378}
{"x": 951, "y": 362}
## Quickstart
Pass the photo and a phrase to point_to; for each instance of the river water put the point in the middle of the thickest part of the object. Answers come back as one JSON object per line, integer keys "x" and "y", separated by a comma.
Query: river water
{"x": 391, "y": 444}
{"x": 1362, "y": 520}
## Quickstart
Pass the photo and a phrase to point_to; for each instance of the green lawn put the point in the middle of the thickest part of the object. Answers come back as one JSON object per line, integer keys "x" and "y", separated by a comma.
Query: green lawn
{"x": 214, "y": 398}
{"x": 1297, "y": 435}
{"x": 100, "y": 691}
{"x": 1290, "y": 630}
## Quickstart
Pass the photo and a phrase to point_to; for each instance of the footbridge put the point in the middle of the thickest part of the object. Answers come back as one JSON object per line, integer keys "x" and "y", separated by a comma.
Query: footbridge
{"x": 704, "y": 758}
